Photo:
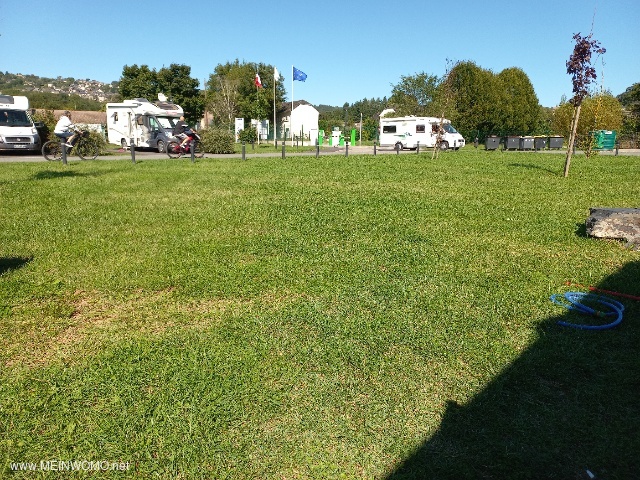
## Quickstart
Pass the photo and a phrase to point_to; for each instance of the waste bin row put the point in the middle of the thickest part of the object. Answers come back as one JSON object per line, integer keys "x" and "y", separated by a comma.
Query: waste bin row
{"x": 524, "y": 143}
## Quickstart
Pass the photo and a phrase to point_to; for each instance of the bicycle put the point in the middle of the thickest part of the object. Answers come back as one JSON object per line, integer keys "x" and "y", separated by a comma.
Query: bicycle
{"x": 85, "y": 147}
{"x": 176, "y": 150}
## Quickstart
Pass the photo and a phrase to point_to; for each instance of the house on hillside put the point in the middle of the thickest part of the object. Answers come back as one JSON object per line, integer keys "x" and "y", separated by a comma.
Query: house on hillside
{"x": 302, "y": 122}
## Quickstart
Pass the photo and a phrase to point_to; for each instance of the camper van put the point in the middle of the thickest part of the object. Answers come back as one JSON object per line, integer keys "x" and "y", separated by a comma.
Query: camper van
{"x": 149, "y": 124}
{"x": 17, "y": 129}
{"x": 409, "y": 132}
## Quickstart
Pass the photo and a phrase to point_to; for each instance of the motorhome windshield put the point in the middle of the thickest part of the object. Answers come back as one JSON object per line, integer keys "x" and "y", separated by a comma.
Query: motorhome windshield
{"x": 14, "y": 118}
{"x": 167, "y": 122}
{"x": 449, "y": 129}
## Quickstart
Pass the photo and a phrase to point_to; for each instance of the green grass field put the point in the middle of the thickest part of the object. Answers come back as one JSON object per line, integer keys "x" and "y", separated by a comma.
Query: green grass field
{"x": 363, "y": 317}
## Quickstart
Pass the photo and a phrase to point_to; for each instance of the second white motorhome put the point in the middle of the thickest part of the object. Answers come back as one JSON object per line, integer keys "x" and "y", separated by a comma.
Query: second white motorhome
{"x": 149, "y": 124}
{"x": 17, "y": 128}
{"x": 409, "y": 132}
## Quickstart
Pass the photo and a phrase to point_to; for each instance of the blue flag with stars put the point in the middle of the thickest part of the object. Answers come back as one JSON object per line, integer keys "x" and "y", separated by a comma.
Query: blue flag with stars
{"x": 299, "y": 75}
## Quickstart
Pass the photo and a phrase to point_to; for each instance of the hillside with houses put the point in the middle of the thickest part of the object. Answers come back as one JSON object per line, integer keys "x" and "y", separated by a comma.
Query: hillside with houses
{"x": 85, "y": 88}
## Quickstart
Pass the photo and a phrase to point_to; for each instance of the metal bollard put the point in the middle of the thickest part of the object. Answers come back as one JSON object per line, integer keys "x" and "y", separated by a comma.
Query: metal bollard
{"x": 475, "y": 142}
{"x": 243, "y": 151}
{"x": 397, "y": 149}
{"x": 617, "y": 146}
{"x": 317, "y": 148}
{"x": 192, "y": 149}
{"x": 346, "y": 149}
{"x": 375, "y": 152}
{"x": 64, "y": 152}
{"x": 283, "y": 151}
{"x": 132, "y": 147}
{"x": 418, "y": 147}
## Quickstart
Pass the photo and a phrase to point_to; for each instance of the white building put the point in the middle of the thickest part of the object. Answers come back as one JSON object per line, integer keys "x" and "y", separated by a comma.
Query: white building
{"x": 302, "y": 122}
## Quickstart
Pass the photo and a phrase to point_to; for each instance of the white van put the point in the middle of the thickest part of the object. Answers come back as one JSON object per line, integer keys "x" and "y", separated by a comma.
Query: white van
{"x": 408, "y": 132}
{"x": 149, "y": 124}
{"x": 17, "y": 129}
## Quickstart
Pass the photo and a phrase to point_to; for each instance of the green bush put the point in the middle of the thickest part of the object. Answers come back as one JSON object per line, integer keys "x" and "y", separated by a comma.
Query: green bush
{"x": 248, "y": 135}
{"x": 215, "y": 140}
{"x": 48, "y": 118}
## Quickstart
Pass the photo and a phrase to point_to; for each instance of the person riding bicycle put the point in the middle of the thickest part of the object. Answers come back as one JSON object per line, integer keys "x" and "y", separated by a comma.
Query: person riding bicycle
{"x": 182, "y": 131}
{"x": 65, "y": 129}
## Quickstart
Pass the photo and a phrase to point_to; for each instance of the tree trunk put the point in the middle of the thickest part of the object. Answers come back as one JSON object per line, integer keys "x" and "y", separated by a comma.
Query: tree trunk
{"x": 572, "y": 138}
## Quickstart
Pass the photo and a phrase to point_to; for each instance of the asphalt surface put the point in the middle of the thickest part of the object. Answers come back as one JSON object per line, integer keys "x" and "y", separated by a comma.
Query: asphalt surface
{"x": 19, "y": 156}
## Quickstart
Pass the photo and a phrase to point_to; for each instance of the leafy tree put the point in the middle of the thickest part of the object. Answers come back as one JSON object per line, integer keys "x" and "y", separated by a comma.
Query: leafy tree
{"x": 175, "y": 82}
{"x": 582, "y": 74}
{"x": 602, "y": 112}
{"x": 138, "y": 82}
{"x": 231, "y": 92}
{"x": 630, "y": 100}
{"x": 414, "y": 95}
{"x": 475, "y": 97}
{"x": 518, "y": 105}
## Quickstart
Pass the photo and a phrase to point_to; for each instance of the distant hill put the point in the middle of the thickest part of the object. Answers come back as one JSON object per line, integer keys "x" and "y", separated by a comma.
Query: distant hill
{"x": 43, "y": 92}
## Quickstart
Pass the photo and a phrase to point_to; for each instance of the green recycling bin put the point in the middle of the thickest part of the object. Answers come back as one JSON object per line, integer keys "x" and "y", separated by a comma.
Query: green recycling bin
{"x": 603, "y": 139}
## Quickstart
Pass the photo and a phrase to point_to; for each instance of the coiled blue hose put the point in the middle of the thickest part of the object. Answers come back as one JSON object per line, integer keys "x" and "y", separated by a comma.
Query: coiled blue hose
{"x": 575, "y": 301}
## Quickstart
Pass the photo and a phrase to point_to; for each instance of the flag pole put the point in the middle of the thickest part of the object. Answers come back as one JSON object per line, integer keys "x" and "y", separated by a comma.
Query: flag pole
{"x": 291, "y": 116}
{"x": 275, "y": 129}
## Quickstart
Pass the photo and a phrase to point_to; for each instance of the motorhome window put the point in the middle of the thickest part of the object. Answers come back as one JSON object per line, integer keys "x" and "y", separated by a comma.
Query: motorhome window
{"x": 420, "y": 129}
{"x": 153, "y": 124}
{"x": 166, "y": 122}
{"x": 388, "y": 129}
{"x": 449, "y": 128}
{"x": 15, "y": 118}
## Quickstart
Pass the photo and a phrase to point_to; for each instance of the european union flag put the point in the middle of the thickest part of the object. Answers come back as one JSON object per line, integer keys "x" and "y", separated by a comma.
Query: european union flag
{"x": 299, "y": 75}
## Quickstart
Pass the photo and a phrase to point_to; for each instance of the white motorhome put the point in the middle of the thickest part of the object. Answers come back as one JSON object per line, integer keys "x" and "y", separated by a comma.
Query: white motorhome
{"x": 408, "y": 132}
{"x": 17, "y": 129}
{"x": 149, "y": 124}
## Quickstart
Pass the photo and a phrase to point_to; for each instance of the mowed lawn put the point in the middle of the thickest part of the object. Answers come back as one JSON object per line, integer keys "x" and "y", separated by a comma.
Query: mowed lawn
{"x": 363, "y": 317}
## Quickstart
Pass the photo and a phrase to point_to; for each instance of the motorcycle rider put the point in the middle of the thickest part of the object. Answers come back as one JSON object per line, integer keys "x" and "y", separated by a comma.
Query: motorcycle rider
{"x": 182, "y": 130}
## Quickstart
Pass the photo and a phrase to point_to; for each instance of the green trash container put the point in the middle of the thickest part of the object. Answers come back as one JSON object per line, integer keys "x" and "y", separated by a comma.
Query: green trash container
{"x": 603, "y": 139}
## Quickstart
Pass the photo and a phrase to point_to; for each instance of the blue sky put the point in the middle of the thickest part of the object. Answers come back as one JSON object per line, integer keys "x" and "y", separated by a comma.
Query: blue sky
{"x": 349, "y": 50}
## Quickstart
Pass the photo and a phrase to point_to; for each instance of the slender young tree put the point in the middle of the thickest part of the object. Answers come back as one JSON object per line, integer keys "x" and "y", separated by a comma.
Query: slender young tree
{"x": 582, "y": 74}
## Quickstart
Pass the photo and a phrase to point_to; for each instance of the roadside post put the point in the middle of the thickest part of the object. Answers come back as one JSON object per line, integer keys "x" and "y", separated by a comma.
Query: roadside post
{"x": 132, "y": 147}
{"x": 64, "y": 151}
{"x": 192, "y": 149}
{"x": 243, "y": 151}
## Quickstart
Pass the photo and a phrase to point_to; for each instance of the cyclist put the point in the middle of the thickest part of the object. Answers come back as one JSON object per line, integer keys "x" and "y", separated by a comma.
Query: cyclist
{"x": 65, "y": 129}
{"x": 182, "y": 131}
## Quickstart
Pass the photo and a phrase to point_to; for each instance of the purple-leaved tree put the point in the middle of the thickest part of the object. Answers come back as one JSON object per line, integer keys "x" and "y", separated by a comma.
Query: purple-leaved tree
{"x": 582, "y": 74}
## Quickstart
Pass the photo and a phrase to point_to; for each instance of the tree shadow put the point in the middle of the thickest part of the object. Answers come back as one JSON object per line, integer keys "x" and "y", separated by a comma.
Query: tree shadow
{"x": 50, "y": 174}
{"x": 534, "y": 167}
{"x": 567, "y": 408}
{"x": 13, "y": 263}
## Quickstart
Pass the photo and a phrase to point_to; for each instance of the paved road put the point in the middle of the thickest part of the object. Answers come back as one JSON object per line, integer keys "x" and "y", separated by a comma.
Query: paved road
{"x": 8, "y": 157}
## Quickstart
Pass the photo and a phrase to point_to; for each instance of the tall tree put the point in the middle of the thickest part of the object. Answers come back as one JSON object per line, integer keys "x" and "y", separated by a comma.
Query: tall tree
{"x": 519, "y": 108}
{"x": 582, "y": 74}
{"x": 414, "y": 95}
{"x": 475, "y": 99}
{"x": 175, "y": 82}
{"x": 138, "y": 82}
{"x": 231, "y": 92}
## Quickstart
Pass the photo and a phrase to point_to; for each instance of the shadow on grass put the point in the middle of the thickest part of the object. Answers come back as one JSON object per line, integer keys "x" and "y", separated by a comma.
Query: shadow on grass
{"x": 13, "y": 263}
{"x": 534, "y": 167}
{"x": 567, "y": 408}
{"x": 50, "y": 174}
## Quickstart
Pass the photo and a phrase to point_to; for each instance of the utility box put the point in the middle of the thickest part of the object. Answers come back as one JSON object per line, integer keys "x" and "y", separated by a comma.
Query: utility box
{"x": 556, "y": 142}
{"x": 492, "y": 143}
{"x": 526, "y": 143}
{"x": 604, "y": 139}
{"x": 512, "y": 143}
{"x": 539, "y": 143}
